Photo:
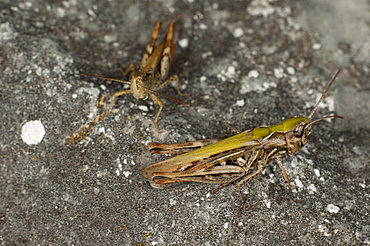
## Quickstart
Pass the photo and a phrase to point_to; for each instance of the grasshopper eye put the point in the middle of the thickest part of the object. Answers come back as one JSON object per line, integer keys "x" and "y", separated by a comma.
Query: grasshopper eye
{"x": 298, "y": 132}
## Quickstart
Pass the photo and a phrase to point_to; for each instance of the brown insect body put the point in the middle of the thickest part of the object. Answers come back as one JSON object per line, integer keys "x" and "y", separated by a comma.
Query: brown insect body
{"x": 151, "y": 76}
{"x": 155, "y": 64}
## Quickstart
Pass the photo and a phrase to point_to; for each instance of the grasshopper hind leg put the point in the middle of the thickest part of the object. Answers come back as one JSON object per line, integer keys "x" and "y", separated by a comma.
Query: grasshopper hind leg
{"x": 150, "y": 47}
{"x": 112, "y": 102}
{"x": 86, "y": 129}
{"x": 221, "y": 186}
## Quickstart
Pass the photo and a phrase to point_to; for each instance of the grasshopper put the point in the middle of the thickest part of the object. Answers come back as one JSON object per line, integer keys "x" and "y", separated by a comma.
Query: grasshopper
{"x": 239, "y": 158}
{"x": 152, "y": 76}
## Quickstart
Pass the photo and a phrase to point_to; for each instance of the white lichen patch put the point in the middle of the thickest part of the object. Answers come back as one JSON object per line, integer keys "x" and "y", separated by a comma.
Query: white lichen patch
{"x": 317, "y": 172}
{"x": 279, "y": 73}
{"x": 248, "y": 84}
{"x": 299, "y": 183}
{"x": 184, "y": 43}
{"x": 311, "y": 189}
{"x": 126, "y": 173}
{"x": 6, "y": 32}
{"x": 331, "y": 208}
{"x": 229, "y": 73}
{"x": 253, "y": 74}
{"x": 260, "y": 7}
{"x": 240, "y": 103}
{"x": 238, "y": 32}
{"x": 33, "y": 132}
{"x": 143, "y": 108}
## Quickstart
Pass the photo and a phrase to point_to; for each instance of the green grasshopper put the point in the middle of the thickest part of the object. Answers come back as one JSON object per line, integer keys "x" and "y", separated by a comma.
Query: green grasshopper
{"x": 154, "y": 70}
{"x": 238, "y": 158}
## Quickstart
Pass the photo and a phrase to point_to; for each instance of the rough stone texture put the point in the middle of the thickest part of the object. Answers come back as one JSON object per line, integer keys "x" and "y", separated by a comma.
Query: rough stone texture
{"x": 245, "y": 64}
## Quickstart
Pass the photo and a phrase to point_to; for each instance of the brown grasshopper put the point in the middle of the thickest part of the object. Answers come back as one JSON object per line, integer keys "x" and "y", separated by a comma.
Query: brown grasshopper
{"x": 235, "y": 159}
{"x": 154, "y": 69}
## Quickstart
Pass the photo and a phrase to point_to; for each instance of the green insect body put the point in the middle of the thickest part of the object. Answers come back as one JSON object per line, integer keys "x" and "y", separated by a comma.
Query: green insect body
{"x": 235, "y": 159}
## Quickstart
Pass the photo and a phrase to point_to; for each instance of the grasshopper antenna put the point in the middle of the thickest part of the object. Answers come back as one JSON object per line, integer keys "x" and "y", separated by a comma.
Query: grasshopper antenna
{"x": 325, "y": 117}
{"x": 100, "y": 77}
{"x": 128, "y": 82}
{"x": 324, "y": 94}
{"x": 168, "y": 97}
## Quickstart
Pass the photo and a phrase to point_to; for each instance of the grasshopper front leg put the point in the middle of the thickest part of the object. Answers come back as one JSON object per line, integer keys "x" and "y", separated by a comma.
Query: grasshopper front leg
{"x": 260, "y": 158}
{"x": 287, "y": 181}
{"x": 259, "y": 170}
{"x": 160, "y": 103}
{"x": 112, "y": 102}
{"x": 176, "y": 79}
{"x": 130, "y": 69}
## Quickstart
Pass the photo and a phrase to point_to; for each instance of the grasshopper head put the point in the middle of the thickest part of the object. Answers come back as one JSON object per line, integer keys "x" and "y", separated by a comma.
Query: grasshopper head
{"x": 298, "y": 135}
{"x": 137, "y": 87}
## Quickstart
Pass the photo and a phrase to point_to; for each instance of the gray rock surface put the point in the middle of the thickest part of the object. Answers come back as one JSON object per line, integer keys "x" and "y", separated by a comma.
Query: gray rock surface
{"x": 245, "y": 64}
